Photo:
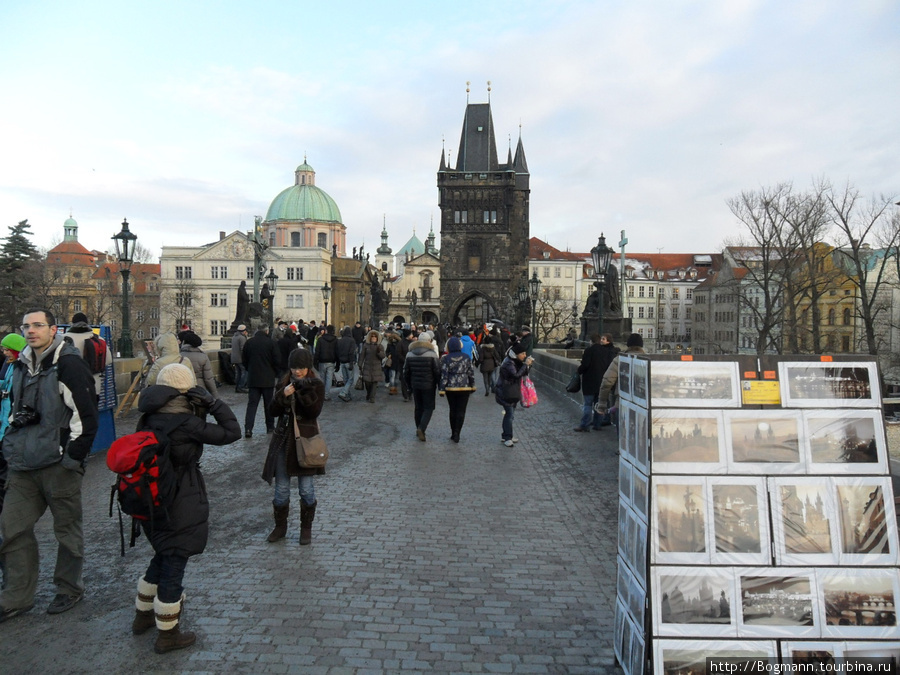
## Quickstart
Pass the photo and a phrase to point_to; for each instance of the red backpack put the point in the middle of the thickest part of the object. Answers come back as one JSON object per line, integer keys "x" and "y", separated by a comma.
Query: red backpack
{"x": 145, "y": 478}
{"x": 94, "y": 352}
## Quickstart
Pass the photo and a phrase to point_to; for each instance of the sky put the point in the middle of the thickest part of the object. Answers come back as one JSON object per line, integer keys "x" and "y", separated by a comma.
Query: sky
{"x": 188, "y": 118}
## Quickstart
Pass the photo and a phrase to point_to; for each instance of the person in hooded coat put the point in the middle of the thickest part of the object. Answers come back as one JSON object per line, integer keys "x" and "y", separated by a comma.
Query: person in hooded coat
{"x": 300, "y": 392}
{"x": 175, "y": 400}
{"x": 457, "y": 383}
{"x": 167, "y": 351}
{"x": 422, "y": 371}
{"x": 371, "y": 353}
{"x": 190, "y": 349}
{"x": 490, "y": 351}
{"x": 508, "y": 390}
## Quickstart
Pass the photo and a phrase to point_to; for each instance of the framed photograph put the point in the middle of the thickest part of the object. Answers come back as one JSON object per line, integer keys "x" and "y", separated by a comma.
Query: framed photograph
{"x": 623, "y": 430}
{"x": 764, "y": 441}
{"x": 627, "y": 632}
{"x": 740, "y": 519}
{"x": 637, "y": 600}
{"x": 638, "y": 653}
{"x": 619, "y": 630}
{"x": 631, "y": 422}
{"x": 814, "y": 384}
{"x": 642, "y": 441}
{"x": 859, "y": 603}
{"x": 845, "y": 441}
{"x": 888, "y": 652}
{"x": 640, "y": 554}
{"x": 694, "y": 601}
{"x": 640, "y": 493}
{"x": 623, "y": 527}
{"x": 694, "y": 384}
{"x": 688, "y": 657}
{"x": 778, "y": 603}
{"x": 625, "y": 482}
{"x": 867, "y": 521}
{"x": 624, "y": 381}
{"x": 639, "y": 381}
{"x": 623, "y": 582}
{"x": 680, "y": 526}
{"x": 813, "y": 653}
{"x": 804, "y": 519}
{"x": 687, "y": 441}
{"x": 631, "y": 533}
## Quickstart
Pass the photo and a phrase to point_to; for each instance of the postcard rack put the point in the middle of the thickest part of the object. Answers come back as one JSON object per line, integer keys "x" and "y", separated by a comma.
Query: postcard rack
{"x": 756, "y": 513}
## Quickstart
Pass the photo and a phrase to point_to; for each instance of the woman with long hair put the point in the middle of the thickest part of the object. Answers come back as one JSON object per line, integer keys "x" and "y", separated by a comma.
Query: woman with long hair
{"x": 371, "y": 354}
{"x": 300, "y": 392}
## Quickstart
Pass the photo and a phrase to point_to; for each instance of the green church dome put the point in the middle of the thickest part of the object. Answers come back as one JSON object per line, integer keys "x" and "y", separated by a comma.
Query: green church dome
{"x": 304, "y": 201}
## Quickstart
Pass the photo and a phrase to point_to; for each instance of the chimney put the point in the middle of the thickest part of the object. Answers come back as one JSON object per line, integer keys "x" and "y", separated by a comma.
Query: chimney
{"x": 221, "y": 235}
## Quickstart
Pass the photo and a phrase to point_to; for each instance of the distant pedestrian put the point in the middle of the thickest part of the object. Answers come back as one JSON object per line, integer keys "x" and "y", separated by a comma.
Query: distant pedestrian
{"x": 167, "y": 351}
{"x": 261, "y": 361}
{"x": 190, "y": 349}
{"x": 160, "y": 591}
{"x": 392, "y": 351}
{"x": 301, "y": 391}
{"x": 371, "y": 354}
{"x": 594, "y": 363}
{"x": 634, "y": 345}
{"x": 422, "y": 371}
{"x": 325, "y": 359}
{"x": 79, "y": 332}
{"x": 508, "y": 391}
{"x": 491, "y": 356}
{"x": 358, "y": 332}
{"x": 527, "y": 339}
{"x": 238, "y": 340}
{"x": 347, "y": 353}
{"x": 286, "y": 344}
{"x": 457, "y": 383}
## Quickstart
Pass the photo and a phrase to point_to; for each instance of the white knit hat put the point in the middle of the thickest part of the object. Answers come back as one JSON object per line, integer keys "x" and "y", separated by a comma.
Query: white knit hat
{"x": 177, "y": 376}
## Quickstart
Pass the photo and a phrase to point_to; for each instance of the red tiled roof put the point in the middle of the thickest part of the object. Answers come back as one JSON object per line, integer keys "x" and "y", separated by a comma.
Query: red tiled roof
{"x": 537, "y": 247}
{"x": 70, "y": 253}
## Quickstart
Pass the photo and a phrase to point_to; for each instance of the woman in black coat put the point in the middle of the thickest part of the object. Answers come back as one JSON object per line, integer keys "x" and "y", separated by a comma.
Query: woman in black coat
{"x": 594, "y": 362}
{"x": 307, "y": 392}
{"x": 172, "y": 404}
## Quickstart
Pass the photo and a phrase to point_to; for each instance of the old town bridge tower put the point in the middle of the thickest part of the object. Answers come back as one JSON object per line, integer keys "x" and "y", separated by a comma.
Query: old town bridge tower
{"x": 484, "y": 225}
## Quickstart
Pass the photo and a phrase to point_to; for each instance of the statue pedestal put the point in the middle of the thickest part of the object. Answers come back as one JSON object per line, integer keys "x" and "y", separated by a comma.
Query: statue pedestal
{"x": 617, "y": 326}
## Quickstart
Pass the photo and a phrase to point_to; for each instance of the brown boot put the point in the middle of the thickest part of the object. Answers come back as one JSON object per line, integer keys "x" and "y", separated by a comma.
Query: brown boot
{"x": 144, "y": 618}
{"x": 170, "y": 638}
{"x": 392, "y": 391}
{"x": 307, "y": 514}
{"x": 281, "y": 518}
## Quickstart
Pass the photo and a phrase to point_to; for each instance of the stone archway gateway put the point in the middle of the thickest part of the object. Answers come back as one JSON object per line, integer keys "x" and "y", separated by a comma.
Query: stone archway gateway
{"x": 475, "y": 308}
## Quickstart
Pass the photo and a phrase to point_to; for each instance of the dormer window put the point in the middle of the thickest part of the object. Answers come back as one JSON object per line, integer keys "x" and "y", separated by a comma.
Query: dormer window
{"x": 546, "y": 255}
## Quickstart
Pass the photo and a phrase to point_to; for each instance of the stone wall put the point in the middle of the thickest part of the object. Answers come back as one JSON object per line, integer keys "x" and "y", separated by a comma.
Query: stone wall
{"x": 126, "y": 369}
{"x": 552, "y": 370}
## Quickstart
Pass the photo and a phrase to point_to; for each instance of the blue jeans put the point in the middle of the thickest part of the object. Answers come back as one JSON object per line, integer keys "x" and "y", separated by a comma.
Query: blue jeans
{"x": 347, "y": 376}
{"x": 509, "y": 411}
{"x": 307, "y": 485}
{"x": 588, "y": 416}
{"x": 326, "y": 372}
{"x": 240, "y": 376}
{"x": 168, "y": 572}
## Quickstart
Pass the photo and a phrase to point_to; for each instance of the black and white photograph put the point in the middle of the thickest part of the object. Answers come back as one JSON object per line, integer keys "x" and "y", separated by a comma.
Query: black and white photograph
{"x": 821, "y": 654}
{"x": 694, "y": 601}
{"x": 625, "y": 660}
{"x": 623, "y": 430}
{"x": 640, "y": 486}
{"x": 642, "y": 442}
{"x": 887, "y": 652}
{"x": 638, "y": 660}
{"x": 619, "y": 629}
{"x": 688, "y": 657}
{"x": 624, "y": 381}
{"x": 623, "y": 582}
{"x": 847, "y": 441}
{"x": 764, "y": 441}
{"x": 623, "y": 527}
{"x": 829, "y": 385}
{"x": 631, "y": 422}
{"x": 826, "y": 653}
{"x": 740, "y": 521}
{"x": 681, "y": 438}
{"x": 639, "y": 381}
{"x": 680, "y": 529}
{"x": 694, "y": 384}
{"x": 867, "y": 521}
{"x": 637, "y": 598}
{"x": 625, "y": 482}
{"x": 775, "y": 604}
{"x": 860, "y": 602}
{"x": 640, "y": 553}
{"x": 804, "y": 521}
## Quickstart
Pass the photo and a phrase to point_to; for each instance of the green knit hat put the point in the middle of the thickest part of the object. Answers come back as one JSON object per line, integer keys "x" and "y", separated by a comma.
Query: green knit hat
{"x": 13, "y": 341}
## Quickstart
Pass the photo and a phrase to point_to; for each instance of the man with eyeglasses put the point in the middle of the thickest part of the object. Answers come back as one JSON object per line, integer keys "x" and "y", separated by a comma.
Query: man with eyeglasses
{"x": 53, "y": 424}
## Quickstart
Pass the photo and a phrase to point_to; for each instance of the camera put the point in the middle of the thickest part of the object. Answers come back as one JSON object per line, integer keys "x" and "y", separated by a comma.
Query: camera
{"x": 25, "y": 417}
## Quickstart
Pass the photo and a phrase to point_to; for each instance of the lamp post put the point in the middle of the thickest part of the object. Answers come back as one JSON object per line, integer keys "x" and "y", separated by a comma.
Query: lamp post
{"x": 272, "y": 281}
{"x": 326, "y": 296}
{"x": 534, "y": 286}
{"x": 125, "y": 241}
{"x": 361, "y": 299}
{"x": 522, "y": 296}
{"x": 601, "y": 254}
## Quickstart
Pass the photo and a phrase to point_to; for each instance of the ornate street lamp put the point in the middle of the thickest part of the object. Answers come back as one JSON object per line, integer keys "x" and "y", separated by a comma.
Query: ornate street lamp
{"x": 125, "y": 241}
{"x": 534, "y": 287}
{"x": 326, "y": 296}
{"x": 361, "y": 299}
{"x": 601, "y": 254}
{"x": 522, "y": 296}
{"x": 272, "y": 283}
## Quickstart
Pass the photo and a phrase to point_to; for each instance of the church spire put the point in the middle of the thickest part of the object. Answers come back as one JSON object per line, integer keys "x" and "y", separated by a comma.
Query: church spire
{"x": 384, "y": 249}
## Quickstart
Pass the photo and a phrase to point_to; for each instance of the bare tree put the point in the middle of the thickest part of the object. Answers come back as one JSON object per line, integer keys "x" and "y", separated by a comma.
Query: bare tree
{"x": 553, "y": 319}
{"x": 180, "y": 301}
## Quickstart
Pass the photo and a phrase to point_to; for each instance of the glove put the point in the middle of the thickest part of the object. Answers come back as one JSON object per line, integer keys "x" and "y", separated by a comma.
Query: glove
{"x": 200, "y": 397}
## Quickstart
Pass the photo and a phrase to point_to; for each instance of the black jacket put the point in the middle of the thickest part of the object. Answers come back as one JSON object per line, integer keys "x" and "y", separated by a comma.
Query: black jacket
{"x": 347, "y": 349}
{"x": 594, "y": 362}
{"x": 261, "y": 360}
{"x": 285, "y": 345}
{"x": 186, "y": 531}
{"x": 422, "y": 369}
{"x": 309, "y": 396}
{"x": 358, "y": 333}
{"x": 326, "y": 349}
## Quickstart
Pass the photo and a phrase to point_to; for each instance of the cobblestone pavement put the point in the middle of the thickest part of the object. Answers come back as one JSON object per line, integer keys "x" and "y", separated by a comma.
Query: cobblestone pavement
{"x": 468, "y": 558}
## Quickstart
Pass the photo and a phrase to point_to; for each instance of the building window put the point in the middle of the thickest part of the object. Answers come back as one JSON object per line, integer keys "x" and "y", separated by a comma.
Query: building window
{"x": 675, "y": 293}
{"x": 631, "y": 291}
{"x": 154, "y": 332}
{"x": 687, "y": 313}
{"x": 214, "y": 272}
{"x": 662, "y": 293}
{"x": 641, "y": 332}
{"x": 674, "y": 313}
{"x": 460, "y": 217}
{"x": 473, "y": 255}
{"x": 490, "y": 216}
{"x": 630, "y": 312}
{"x": 218, "y": 327}
{"x": 295, "y": 239}
{"x": 322, "y": 240}
{"x": 649, "y": 332}
{"x": 689, "y": 293}
{"x": 641, "y": 312}
{"x": 557, "y": 272}
{"x": 845, "y": 343}
{"x": 545, "y": 272}
{"x": 294, "y": 301}
{"x": 640, "y": 291}
{"x": 272, "y": 238}
{"x": 831, "y": 316}
{"x": 139, "y": 334}
{"x": 846, "y": 318}
{"x": 290, "y": 273}
{"x": 76, "y": 306}
{"x": 650, "y": 312}
{"x": 250, "y": 272}
{"x": 183, "y": 300}
{"x": 140, "y": 316}
{"x": 154, "y": 313}
{"x": 651, "y": 292}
